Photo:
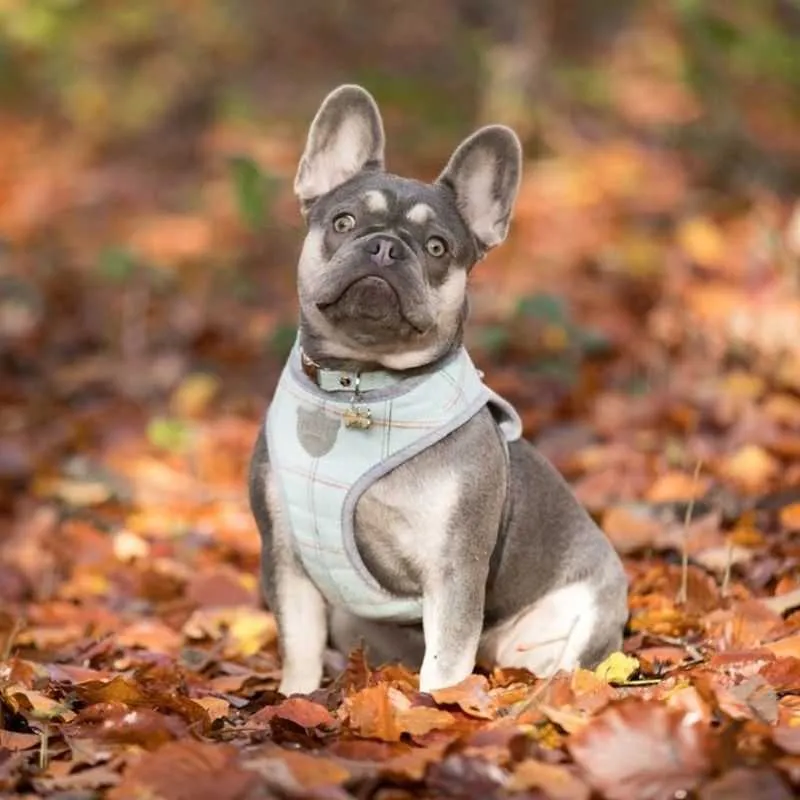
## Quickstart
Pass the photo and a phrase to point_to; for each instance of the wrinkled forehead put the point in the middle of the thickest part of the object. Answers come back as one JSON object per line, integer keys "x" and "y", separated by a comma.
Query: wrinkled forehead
{"x": 392, "y": 200}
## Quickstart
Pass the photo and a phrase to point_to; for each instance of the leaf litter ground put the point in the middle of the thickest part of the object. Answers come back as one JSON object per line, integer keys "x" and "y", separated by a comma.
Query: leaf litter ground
{"x": 654, "y": 359}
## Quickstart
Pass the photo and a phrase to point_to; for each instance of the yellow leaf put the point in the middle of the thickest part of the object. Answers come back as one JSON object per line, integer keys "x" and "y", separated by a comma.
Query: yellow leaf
{"x": 751, "y": 467}
{"x": 245, "y": 630}
{"x": 703, "y": 242}
{"x": 35, "y": 704}
{"x": 194, "y": 394}
{"x": 617, "y": 668}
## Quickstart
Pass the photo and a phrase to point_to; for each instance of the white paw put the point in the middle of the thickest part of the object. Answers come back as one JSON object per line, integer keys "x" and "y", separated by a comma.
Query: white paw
{"x": 299, "y": 682}
{"x": 432, "y": 678}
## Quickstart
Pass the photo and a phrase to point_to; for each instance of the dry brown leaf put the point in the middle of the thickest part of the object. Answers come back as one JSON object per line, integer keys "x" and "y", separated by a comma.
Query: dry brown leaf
{"x": 302, "y": 712}
{"x": 742, "y": 783}
{"x": 638, "y": 750}
{"x": 556, "y": 781}
{"x": 471, "y": 696}
{"x": 294, "y": 771}
{"x": 380, "y": 712}
{"x": 187, "y": 770}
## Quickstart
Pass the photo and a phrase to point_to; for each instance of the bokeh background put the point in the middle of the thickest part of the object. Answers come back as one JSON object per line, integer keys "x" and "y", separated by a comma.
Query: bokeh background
{"x": 644, "y": 314}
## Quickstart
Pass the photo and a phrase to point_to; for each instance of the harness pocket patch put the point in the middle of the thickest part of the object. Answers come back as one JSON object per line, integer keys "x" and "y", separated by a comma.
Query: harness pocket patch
{"x": 316, "y": 431}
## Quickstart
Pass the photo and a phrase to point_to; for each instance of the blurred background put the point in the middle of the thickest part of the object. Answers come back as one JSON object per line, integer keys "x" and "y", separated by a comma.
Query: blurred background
{"x": 644, "y": 314}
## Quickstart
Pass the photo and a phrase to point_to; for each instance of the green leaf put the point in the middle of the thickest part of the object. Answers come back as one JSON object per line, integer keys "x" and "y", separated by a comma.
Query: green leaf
{"x": 593, "y": 342}
{"x": 545, "y": 307}
{"x": 494, "y": 338}
{"x": 168, "y": 434}
{"x": 282, "y": 339}
{"x": 117, "y": 264}
{"x": 254, "y": 190}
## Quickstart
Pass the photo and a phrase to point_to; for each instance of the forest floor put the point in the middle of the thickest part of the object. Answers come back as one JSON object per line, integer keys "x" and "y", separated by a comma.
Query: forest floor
{"x": 646, "y": 328}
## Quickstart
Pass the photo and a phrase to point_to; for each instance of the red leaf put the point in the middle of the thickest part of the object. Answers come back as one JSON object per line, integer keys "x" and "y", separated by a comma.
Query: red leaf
{"x": 301, "y": 712}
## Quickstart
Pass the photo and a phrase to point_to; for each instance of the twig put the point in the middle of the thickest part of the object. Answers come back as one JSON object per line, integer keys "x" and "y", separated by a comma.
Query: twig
{"x": 683, "y": 594}
{"x": 693, "y": 652}
{"x": 44, "y": 749}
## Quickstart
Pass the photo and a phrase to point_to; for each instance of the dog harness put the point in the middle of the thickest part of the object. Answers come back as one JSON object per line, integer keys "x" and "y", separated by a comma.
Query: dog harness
{"x": 330, "y": 440}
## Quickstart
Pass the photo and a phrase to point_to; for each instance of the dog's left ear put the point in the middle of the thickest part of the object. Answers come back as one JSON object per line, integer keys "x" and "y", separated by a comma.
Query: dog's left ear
{"x": 484, "y": 174}
{"x": 345, "y": 137}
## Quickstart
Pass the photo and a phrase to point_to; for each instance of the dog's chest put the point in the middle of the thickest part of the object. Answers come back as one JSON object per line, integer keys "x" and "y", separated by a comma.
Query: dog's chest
{"x": 403, "y": 521}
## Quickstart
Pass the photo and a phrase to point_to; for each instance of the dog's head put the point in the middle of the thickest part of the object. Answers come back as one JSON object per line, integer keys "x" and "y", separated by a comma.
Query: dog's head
{"x": 383, "y": 271}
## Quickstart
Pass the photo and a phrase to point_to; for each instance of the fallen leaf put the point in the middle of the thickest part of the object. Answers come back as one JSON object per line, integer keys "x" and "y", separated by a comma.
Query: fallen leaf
{"x": 35, "y": 705}
{"x": 631, "y": 528}
{"x": 245, "y": 630}
{"x": 461, "y": 776}
{"x": 637, "y": 750}
{"x": 617, "y": 668}
{"x": 783, "y": 674}
{"x": 188, "y": 770}
{"x": 194, "y": 394}
{"x": 471, "y": 696}
{"x": 753, "y": 698}
{"x": 782, "y": 603}
{"x": 83, "y": 781}
{"x": 298, "y": 710}
{"x": 295, "y": 771}
{"x": 11, "y": 740}
{"x": 380, "y": 712}
{"x": 675, "y": 486}
{"x": 556, "y": 781}
{"x": 216, "y": 707}
{"x": 702, "y": 241}
{"x": 790, "y": 646}
{"x": 751, "y": 468}
{"x": 742, "y": 783}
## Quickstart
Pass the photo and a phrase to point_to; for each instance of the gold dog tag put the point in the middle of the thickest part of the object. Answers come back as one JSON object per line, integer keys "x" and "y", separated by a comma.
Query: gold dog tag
{"x": 358, "y": 417}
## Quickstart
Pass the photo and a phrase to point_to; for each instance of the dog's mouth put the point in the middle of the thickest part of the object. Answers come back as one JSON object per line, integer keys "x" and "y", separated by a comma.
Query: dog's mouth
{"x": 370, "y": 297}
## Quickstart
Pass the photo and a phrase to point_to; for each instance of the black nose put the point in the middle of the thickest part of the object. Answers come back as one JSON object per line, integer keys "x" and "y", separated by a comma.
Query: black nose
{"x": 384, "y": 250}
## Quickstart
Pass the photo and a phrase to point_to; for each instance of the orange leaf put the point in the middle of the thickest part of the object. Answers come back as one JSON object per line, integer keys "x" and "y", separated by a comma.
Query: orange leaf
{"x": 470, "y": 696}
{"x": 380, "y": 712}
{"x": 556, "y": 781}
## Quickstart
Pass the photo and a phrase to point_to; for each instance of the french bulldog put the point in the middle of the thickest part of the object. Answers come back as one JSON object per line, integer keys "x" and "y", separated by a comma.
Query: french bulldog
{"x": 398, "y": 506}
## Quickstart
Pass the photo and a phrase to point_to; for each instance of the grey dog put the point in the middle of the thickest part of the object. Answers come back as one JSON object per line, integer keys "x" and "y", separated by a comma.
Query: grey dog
{"x": 397, "y": 503}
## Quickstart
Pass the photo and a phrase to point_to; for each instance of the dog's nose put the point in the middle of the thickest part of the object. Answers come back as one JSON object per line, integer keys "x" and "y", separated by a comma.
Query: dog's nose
{"x": 384, "y": 250}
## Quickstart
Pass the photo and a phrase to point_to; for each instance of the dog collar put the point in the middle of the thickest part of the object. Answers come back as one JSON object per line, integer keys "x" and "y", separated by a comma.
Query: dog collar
{"x": 335, "y": 380}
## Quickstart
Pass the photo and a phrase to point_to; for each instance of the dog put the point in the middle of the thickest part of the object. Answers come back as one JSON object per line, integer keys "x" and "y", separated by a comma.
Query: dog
{"x": 397, "y": 504}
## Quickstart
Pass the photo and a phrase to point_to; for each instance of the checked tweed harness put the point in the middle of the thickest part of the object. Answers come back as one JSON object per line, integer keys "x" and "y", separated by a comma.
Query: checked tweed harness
{"x": 329, "y": 440}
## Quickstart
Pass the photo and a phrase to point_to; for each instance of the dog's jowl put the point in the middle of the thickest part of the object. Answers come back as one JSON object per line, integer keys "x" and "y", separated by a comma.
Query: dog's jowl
{"x": 397, "y": 503}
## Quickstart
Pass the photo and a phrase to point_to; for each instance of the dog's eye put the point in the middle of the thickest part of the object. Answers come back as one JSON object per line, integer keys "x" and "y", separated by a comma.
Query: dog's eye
{"x": 342, "y": 223}
{"x": 436, "y": 246}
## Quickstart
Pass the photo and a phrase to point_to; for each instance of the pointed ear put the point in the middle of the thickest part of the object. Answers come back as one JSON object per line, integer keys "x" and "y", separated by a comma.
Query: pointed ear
{"x": 484, "y": 174}
{"x": 345, "y": 137}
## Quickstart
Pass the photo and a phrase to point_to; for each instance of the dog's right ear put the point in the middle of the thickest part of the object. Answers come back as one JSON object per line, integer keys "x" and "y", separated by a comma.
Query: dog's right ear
{"x": 345, "y": 137}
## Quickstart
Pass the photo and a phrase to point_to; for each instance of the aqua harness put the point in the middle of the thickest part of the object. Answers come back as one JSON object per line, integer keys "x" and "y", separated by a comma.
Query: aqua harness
{"x": 331, "y": 440}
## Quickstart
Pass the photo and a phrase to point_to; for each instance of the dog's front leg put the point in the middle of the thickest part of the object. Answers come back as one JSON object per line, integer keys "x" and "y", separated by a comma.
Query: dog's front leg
{"x": 298, "y": 605}
{"x": 452, "y": 620}
{"x": 302, "y": 628}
